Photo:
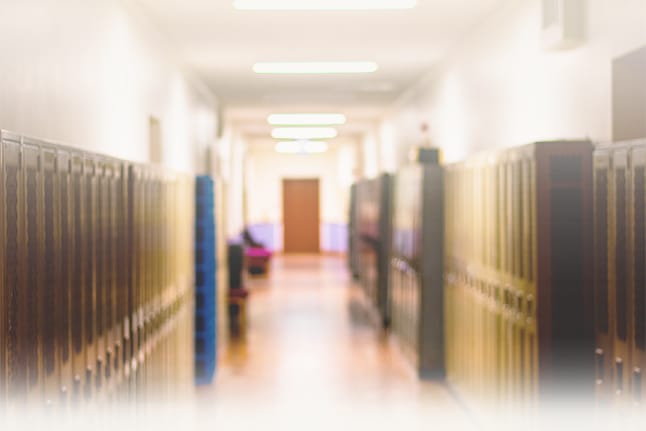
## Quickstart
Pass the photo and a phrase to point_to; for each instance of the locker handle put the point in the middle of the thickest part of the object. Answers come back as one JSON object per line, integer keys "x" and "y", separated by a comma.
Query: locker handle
{"x": 63, "y": 395}
{"x": 108, "y": 363}
{"x": 637, "y": 385}
{"x": 599, "y": 356}
{"x": 530, "y": 306}
{"x": 88, "y": 383}
{"x": 99, "y": 374}
{"x": 77, "y": 387}
{"x": 117, "y": 347}
{"x": 619, "y": 372}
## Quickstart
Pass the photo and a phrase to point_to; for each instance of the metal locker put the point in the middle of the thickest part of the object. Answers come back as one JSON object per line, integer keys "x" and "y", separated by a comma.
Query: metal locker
{"x": 89, "y": 227}
{"x": 172, "y": 264}
{"x": 132, "y": 331}
{"x": 151, "y": 285}
{"x": 107, "y": 268}
{"x": 501, "y": 345}
{"x": 63, "y": 313}
{"x": 51, "y": 295}
{"x": 638, "y": 269}
{"x": 147, "y": 273}
{"x": 563, "y": 176}
{"x": 102, "y": 288}
{"x": 77, "y": 247}
{"x": 618, "y": 268}
{"x": 96, "y": 269}
{"x": 430, "y": 277}
{"x": 416, "y": 267}
{"x": 631, "y": 225}
{"x": 16, "y": 369}
{"x": 32, "y": 289}
{"x": 162, "y": 319}
{"x": 4, "y": 310}
{"x": 372, "y": 210}
{"x": 147, "y": 226}
{"x": 123, "y": 268}
{"x": 157, "y": 279}
{"x": 129, "y": 333}
{"x": 112, "y": 327}
{"x": 619, "y": 272}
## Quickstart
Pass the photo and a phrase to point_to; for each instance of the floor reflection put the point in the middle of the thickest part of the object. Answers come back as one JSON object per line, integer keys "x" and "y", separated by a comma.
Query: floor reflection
{"x": 309, "y": 350}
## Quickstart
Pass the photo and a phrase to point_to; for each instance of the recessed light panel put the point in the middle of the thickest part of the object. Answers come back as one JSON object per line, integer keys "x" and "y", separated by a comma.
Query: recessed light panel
{"x": 315, "y": 67}
{"x": 314, "y": 147}
{"x": 304, "y": 133}
{"x": 301, "y": 147}
{"x": 324, "y": 4}
{"x": 288, "y": 147}
{"x": 306, "y": 119}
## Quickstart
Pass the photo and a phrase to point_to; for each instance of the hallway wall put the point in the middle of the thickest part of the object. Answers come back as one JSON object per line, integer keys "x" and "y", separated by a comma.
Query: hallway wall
{"x": 89, "y": 74}
{"x": 499, "y": 87}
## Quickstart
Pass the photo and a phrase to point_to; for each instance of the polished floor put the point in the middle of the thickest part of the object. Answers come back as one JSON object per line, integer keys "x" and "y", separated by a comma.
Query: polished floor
{"x": 309, "y": 358}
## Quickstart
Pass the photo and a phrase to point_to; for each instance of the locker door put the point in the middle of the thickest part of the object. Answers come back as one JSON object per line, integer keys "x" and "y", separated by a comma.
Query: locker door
{"x": 638, "y": 271}
{"x": 52, "y": 294}
{"x": 136, "y": 197}
{"x": 604, "y": 346}
{"x": 33, "y": 287}
{"x": 90, "y": 272}
{"x": 129, "y": 333}
{"x": 3, "y": 286}
{"x": 100, "y": 282}
{"x": 76, "y": 228}
{"x": 64, "y": 290}
{"x": 16, "y": 369}
{"x": 110, "y": 238}
{"x": 619, "y": 271}
{"x": 124, "y": 250}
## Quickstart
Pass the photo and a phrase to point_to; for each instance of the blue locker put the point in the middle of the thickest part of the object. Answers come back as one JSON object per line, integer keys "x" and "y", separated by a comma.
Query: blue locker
{"x": 205, "y": 281}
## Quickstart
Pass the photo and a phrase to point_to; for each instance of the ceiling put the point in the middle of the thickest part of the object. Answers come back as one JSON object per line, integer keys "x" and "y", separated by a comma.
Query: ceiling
{"x": 221, "y": 44}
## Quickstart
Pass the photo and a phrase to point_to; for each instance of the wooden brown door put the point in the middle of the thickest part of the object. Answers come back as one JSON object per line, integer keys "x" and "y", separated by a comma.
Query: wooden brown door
{"x": 301, "y": 215}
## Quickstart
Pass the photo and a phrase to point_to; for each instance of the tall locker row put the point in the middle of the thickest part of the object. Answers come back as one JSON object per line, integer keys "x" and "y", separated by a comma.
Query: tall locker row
{"x": 544, "y": 273}
{"x": 416, "y": 258}
{"x": 205, "y": 281}
{"x": 620, "y": 280}
{"x": 518, "y": 290}
{"x": 372, "y": 244}
{"x": 97, "y": 275}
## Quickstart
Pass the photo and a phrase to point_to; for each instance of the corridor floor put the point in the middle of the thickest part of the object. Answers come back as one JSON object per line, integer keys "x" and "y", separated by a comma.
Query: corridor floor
{"x": 310, "y": 359}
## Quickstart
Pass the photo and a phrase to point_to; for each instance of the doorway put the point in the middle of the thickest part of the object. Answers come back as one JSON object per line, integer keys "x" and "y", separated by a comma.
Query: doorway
{"x": 301, "y": 215}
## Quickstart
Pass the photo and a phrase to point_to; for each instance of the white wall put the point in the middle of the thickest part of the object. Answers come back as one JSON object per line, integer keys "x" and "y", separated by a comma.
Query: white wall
{"x": 370, "y": 155}
{"x": 236, "y": 187}
{"x": 88, "y": 74}
{"x": 499, "y": 87}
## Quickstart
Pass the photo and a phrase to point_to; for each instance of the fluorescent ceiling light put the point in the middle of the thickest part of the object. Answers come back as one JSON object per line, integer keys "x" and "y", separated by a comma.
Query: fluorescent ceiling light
{"x": 304, "y": 133}
{"x": 306, "y": 119}
{"x": 301, "y": 147}
{"x": 316, "y": 67}
{"x": 324, "y": 4}
{"x": 290, "y": 147}
{"x": 315, "y": 147}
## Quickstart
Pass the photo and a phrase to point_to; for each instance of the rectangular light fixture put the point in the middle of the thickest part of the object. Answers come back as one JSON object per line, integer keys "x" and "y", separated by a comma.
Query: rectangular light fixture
{"x": 306, "y": 119}
{"x": 315, "y": 67}
{"x": 288, "y": 147}
{"x": 301, "y": 147}
{"x": 324, "y": 4}
{"x": 304, "y": 133}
